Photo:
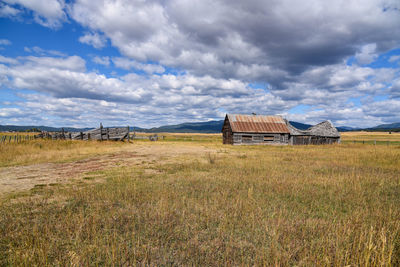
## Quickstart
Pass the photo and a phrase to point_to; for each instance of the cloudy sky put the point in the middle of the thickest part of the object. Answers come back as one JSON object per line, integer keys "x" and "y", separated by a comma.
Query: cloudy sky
{"x": 156, "y": 62}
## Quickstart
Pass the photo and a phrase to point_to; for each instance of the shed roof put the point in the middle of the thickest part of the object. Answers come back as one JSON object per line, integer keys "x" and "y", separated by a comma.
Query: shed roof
{"x": 257, "y": 123}
{"x": 324, "y": 128}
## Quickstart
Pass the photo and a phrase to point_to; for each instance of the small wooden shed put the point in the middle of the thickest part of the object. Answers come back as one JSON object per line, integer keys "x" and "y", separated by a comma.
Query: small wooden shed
{"x": 254, "y": 129}
{"x": 322, "y": 133}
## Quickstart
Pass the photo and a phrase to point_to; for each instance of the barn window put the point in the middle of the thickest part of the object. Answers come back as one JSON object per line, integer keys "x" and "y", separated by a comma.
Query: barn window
{"x": 268, "y": 138}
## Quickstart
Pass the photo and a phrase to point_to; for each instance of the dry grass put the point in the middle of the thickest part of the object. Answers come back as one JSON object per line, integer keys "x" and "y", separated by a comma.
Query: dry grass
{"x": 371, "y": 136}
{"x": 259, "y": 205}
{"x": 42, "y": 150}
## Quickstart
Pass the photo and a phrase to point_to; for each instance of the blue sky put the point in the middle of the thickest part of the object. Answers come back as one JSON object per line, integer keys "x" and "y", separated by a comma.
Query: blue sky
{"x": 151, "y": 63}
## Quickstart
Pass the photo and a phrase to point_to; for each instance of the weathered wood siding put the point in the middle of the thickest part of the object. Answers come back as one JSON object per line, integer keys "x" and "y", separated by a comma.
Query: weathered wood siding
{"x": 260, "y": 139}
{"x": 115, "y": 134}
{"x": 227, "y": 135}
{"x": 313, "y": 140}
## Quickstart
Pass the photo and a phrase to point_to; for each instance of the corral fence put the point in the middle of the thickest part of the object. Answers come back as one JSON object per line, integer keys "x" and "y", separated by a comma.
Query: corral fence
{"x": 6, "y": 139}
{"x": 100, "y": 134}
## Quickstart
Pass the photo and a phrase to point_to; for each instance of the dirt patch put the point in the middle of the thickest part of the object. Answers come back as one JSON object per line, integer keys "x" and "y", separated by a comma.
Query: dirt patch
{"x": 19, "y": 178}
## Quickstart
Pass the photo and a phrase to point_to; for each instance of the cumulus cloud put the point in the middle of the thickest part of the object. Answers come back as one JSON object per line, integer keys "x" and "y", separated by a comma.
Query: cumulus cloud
{"x": 49, "y": 13}
{"x": 296, "y": 50}
{"x": 367, "y": 54}
{"x": 43, "y": 52}
{"x": 227, "y": 35}
{"x": 8, "y": 60}
{"x": 127, "y": 64}
{"x": 65, "y": 83}
{"x": 101, "y": 60}
{"x": 94, "y": 39}
{"x": 8, "y": 11}
{"x": 66, "y": 90}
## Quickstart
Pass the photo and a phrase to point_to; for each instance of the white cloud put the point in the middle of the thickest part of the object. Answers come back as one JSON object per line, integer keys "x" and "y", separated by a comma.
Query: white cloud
{"x": 297, "y": 51}
{"x": 101, "y": 60}
{"x": 72, "y": 63}
{"x": 8, "y": 60}
{"x": 221, "y": 37}
{"x": 43, "y": 52}
{"x": 94, "y": 39}
{"x": 8, "y": 11}
{"x": 5, "y": 42}
{"x": 10, "y": 112}
{"x": 128, "y": 64}
{"x": 49, "y": 13}
{"x": 66, "y": 90}
{"x": 367, "y": 54}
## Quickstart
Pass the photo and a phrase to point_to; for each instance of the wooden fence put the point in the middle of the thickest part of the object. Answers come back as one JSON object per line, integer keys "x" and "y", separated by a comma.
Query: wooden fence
{"x": 101, "y": 133}
{"x": 114, "y": 134}
{"x": 5, "y": 139}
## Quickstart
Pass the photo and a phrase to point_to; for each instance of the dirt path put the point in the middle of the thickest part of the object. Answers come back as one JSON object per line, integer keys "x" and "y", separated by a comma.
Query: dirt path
{"x": 20, "y": 178}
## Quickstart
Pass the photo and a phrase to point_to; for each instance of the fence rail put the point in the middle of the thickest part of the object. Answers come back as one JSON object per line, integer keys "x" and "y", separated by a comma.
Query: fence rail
{"x": 101, "y": 133}
{"x": 114, "y": 134}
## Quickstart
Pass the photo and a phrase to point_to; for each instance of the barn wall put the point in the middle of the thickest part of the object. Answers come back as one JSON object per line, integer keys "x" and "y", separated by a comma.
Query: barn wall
{"x": 313, "y": 140}
{"x": 227, "y": 135}
{"x": 260, "y": 139}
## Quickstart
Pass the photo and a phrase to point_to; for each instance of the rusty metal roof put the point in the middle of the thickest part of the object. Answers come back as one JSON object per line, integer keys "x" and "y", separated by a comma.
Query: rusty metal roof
{"x": 257, "y": 124}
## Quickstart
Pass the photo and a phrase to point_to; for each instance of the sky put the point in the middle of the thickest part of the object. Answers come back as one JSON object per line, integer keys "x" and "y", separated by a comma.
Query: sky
{"x": 148, "y": 63}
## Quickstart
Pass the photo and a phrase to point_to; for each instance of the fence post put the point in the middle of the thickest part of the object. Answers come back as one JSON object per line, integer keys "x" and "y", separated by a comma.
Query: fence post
{"x": 108, "y": 134}
{"x": 88, "y": 136}
{"x": 101, "y": 131}
{"x": 375, "y": 142}
{"x": 81, "y": 135}
{"x": 127, "y": 128}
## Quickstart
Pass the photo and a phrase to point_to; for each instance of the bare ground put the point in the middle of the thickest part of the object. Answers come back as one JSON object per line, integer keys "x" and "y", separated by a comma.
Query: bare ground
{"x": 20, "y": 178}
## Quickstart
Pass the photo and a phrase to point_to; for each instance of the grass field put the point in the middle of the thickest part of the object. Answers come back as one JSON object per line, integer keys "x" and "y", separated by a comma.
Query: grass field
{"x": 189, "y": 200}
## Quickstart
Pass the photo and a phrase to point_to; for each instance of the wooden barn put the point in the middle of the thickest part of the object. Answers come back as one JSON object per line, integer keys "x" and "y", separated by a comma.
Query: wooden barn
{"x": 322, "y": 133}
{"x": 269, "y": 130}
{"x": 254, "y": 129}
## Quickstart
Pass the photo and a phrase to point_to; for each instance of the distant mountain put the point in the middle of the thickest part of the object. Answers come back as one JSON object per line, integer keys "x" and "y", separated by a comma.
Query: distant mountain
{"x": 195, "y": 127}
{"x": 204, "y": 127}
{"x": 388, "y": 126}
{"x": 189, "y": 127}
{"x": 299, "y": 125}
{"x": 347, "y": 129}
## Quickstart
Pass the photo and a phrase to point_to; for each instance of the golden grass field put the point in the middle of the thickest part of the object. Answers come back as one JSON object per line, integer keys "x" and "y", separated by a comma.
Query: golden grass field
{"x": 189, "y": 200}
